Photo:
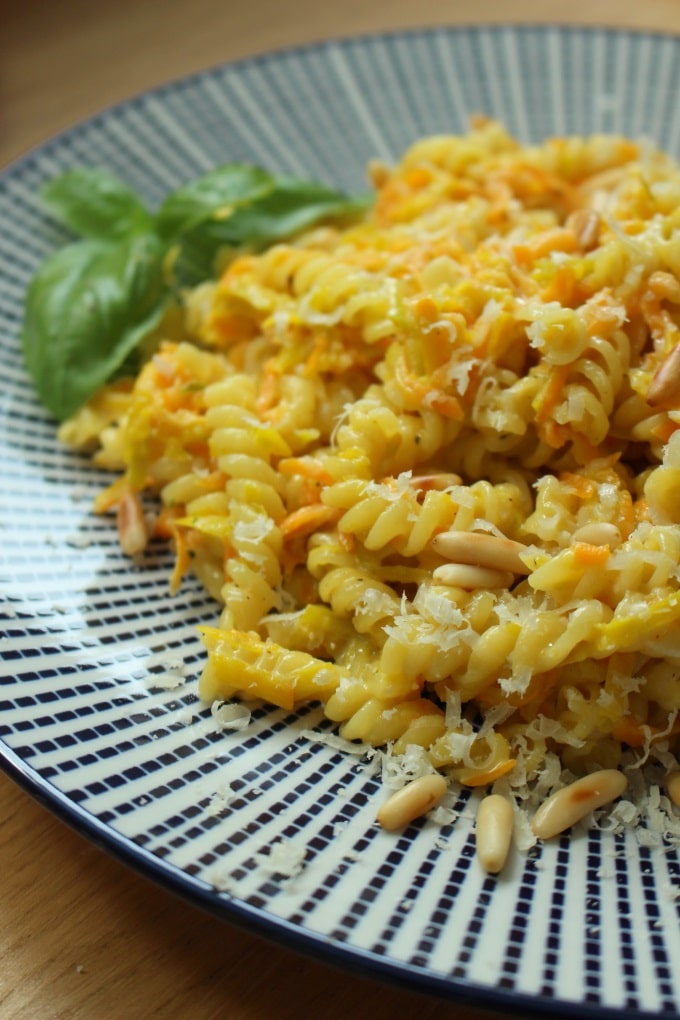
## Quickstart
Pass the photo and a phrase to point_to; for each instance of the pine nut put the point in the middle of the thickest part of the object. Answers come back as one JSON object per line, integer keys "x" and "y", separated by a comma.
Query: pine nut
{"x": 494, "y": 832}
{"x": 412, "y": 801}
{"x": 569, "y": 805}
{"x": 132, "y": 531}
{"x": 464, "y": 575}
{"x": 673, "y": 786}
{"x": 585, "y": 223}
{"x": 481, "y": 550}
{"x": 665, "y": 384}
{"x": 598, "y": 533}
{"x": 378, "y": 172}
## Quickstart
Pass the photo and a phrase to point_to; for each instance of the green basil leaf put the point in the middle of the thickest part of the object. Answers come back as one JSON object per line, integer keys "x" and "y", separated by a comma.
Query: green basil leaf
{"x": 88, "y": 307}
{"x": 214, "y": 194}
{"x": 94, "y": 203}
{"x": 288, "y": 207}
{"x": 92, "y": 304}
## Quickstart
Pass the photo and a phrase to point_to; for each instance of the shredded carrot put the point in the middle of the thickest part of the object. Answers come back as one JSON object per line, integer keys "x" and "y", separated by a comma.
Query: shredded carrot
{"x": 636, "y": 734}
{"x": 556, "y": 436}
{"x": 347, "y": 540}
{"x": 531, "y": 183}
{"x": 588, "y": 555}
{"x": 446, "y": 405}
{"x": 164, "y": 523}
{"x": 308, "y": 467}
{"x": 582, "y": 486}
{"x": 182, "y": 557}
{"x": 558, "y": 239}
{"x": 307, "y": 519}
{"x": 626, "y": 514}
{"x": 628, "y": 731}
{"x": 313, "y": 362}
{"x": 551, "y": 393}
{"x": 112, "y": 495}
{"x": 563, "y": 287}
{"x": 268, "y": 392}
{"x": 599, "y": 325}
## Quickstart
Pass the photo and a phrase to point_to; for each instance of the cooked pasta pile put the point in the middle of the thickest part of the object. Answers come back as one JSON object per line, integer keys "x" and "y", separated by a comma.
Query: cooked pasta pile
{"x": 491, "y": 350}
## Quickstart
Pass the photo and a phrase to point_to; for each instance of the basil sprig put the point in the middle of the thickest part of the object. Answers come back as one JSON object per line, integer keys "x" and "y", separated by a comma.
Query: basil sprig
{"x": 94, "y": 301}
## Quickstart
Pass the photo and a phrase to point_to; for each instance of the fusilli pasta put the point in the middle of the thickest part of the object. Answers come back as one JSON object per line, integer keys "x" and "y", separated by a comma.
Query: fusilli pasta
{"x": 489, "y": 350}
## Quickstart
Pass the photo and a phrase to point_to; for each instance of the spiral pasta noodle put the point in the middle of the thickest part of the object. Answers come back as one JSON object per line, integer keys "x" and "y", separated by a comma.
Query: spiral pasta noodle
{"x": 489, "y": 353}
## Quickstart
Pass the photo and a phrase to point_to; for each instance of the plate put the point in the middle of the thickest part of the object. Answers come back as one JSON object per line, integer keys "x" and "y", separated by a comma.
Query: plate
{"x": 272, "y": 826}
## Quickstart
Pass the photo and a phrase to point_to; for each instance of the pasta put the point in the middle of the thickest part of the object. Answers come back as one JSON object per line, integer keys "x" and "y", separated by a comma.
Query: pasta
{"x": 490, "y": 350}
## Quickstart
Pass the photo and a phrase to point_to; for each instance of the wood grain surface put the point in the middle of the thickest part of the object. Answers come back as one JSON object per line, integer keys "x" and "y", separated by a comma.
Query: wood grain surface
{"x": 82, "y": 935}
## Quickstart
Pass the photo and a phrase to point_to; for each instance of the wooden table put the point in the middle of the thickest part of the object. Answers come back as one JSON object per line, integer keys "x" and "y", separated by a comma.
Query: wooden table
{"x": 81, "y": 935}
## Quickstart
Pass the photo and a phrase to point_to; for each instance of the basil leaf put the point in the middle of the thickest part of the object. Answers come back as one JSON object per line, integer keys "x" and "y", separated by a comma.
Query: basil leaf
{"x": 288, "y": 207}
{"x": 211, "y": 195}
{"x": 87, "y": 308}
{"x": 92, "y": 303}
{"x": 95, "y": 203}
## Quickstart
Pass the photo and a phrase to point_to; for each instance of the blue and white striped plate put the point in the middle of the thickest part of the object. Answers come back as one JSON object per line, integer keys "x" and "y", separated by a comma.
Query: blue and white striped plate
{"x": 266, "y": 825}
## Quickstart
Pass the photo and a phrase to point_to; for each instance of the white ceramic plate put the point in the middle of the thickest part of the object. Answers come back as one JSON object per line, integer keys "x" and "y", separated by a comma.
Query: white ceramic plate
{"x": 98, "y": 712}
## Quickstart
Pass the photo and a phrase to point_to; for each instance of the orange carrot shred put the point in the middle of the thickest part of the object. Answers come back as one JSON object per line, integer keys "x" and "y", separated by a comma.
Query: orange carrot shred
{"x": 588, "y": 555}
{"x": 307, "y": 519}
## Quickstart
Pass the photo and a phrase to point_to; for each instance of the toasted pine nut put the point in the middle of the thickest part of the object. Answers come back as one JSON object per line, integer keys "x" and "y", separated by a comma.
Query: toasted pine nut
{"x": 464, "y": 575}
{"x": 378, "y": 172}
{"x": 132, "y": 531}
{"x": 494, "y": 832}
{"x": 569, "y": 805}
{"x": 412, "y": 801}
{"x": 585, "y": 223}
{"x": 439, "y": 480}
{"x": 482, "y": 550}
{"x": 598, "y": 533}
{"x": 673, "y": 786}
{"x": 665, "y": 384}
